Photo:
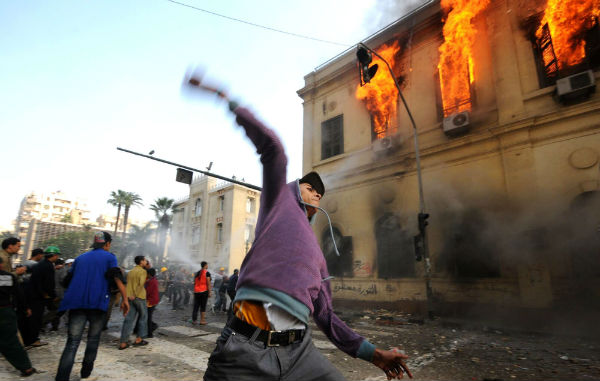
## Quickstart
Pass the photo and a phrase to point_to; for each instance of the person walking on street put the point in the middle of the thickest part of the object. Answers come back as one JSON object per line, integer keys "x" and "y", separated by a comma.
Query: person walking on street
{"x": 54, "y": 315}
{"x": 217, "y": 282}
{"x": 202, "y": 290}
{"x": 23, "y": 321}
{"x": 152, "y": 298}
{"x": 283, "y": 281}
{"x": 86, "y": 300}
{"x": 233, "y": 279}
{"x": 178, "y": 289}
{"x": 137, "y": 298}
{"x": 41, "y": 294}
{"x": 11, "y": 298}
{"x": 221, "y": 303}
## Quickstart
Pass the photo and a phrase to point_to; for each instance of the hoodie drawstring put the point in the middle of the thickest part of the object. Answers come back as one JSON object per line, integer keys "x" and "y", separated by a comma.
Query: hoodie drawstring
{"x": 330, "y": 227}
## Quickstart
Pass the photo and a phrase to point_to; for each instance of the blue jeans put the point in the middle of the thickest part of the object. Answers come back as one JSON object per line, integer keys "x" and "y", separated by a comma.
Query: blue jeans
{"x": 77, "y": 320}
{"x": 137, "y": 307}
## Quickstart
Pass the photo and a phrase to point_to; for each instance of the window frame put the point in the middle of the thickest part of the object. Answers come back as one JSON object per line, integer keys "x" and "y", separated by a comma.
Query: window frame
{"x": 332, "y": 129}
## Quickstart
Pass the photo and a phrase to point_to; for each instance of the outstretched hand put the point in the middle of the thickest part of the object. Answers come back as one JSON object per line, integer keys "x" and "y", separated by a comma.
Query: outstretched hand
{"x": 392, "y": 363}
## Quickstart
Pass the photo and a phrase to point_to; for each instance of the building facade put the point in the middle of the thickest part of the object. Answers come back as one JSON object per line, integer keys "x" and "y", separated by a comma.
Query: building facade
{"x": 215, "y": 223}
{"x": 43, "y": 214}
{"x": 511, "y": 180}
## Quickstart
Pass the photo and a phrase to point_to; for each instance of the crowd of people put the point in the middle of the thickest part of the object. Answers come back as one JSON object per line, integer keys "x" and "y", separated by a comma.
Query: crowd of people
{"x": 35, "y": 295}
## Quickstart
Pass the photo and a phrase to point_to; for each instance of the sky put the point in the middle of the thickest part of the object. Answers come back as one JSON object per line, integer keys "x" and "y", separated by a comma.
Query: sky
{"x": 80, "y": 78}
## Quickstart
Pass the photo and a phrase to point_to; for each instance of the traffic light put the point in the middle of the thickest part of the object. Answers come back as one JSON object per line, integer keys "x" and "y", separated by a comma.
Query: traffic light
{"x": 364, "y": 60}
{"x": 419, "y": 247}
{"x": 423, "y": 222}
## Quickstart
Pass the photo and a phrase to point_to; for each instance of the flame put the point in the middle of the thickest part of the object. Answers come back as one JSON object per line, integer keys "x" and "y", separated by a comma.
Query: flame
{"x": 380, "y": 95}
{"x": 568, "y": 20}
{"x": 456, "y": 66}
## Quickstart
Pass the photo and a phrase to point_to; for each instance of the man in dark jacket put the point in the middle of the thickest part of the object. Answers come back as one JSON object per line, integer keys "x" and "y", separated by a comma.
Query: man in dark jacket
{"x": 11, "y": 297}
{"x": 284, "y": 280}
{"x": 41, "y": 293}
{"x": 231, "y": 286}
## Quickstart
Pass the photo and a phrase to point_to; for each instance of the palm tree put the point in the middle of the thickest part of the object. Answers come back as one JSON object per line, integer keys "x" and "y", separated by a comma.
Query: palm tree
{"x": 116, "y": 199}
{"x": 163, "y": 210}
{"x": 139, "y": 243}
{"x": 129, "y": 199}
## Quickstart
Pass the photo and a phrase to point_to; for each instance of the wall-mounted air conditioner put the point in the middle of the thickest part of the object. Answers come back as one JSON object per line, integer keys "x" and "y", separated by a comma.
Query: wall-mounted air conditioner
{"x": 387, "y": 144}
{"x": 576, "y": 86}
{"x": 456, "y": 124}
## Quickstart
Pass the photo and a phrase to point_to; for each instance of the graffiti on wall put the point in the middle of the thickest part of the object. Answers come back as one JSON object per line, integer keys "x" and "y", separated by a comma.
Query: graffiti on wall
{"x": 371, "y": 289}
{"x": 362, "y": 269}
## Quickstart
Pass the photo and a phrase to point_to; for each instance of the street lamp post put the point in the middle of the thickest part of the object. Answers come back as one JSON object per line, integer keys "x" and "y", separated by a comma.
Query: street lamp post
{"x": 364, "y": 55}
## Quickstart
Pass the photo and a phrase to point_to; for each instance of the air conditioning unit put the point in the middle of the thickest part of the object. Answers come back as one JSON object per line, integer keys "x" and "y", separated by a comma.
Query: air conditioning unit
{"x": 387, "y": 144}
{"x": 456, "y": 124}
{"x": 576, "y": 86}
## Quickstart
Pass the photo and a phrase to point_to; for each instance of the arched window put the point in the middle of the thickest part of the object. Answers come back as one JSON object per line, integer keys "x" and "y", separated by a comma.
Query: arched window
{"x": 395, "y": 253}
{"x": 341, "y": 265}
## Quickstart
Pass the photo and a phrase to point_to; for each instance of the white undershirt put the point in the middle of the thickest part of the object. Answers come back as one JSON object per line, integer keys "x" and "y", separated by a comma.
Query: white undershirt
{"x": 280, "y": 319}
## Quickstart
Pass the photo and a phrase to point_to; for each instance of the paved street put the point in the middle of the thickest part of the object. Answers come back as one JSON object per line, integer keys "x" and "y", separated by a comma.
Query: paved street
{"x": 180, "y": 351}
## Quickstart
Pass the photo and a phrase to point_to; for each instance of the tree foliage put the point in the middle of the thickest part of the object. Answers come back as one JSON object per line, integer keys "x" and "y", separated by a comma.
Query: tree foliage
{"x": 71, "y": 244}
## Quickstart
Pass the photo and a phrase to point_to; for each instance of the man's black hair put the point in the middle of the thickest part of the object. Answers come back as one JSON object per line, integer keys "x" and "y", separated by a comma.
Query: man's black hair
{"x": 138, "y": 259}
{"x": 152, "y": 271}
{"x": 36, "y": 251}
{"x": 59, "y": 261}
{"x": 9, "y": 242}
{"x": 203, "y": 263}
{"x": 236, "y": 271}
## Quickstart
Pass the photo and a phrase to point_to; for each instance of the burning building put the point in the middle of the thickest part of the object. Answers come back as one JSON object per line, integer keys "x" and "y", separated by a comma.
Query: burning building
{"x": 508, "y": 122}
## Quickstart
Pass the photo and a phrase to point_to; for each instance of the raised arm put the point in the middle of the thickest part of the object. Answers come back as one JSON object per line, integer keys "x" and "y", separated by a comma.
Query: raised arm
{"x": 268, "y": 145}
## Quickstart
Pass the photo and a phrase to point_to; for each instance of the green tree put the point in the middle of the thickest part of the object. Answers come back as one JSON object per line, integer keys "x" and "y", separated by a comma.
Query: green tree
{"x": 163, "y": 210}
{"x": 66, "y": 218}
{"x": 116, "y": 199}
{"x": 71, "y": 244}
{"x": 129, "y": 199}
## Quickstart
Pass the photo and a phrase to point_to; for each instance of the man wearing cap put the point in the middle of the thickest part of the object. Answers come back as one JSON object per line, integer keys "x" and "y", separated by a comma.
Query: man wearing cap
{"x": 41, "y": 292}
{"x": 86, "y": 300}
{"x": 283, "y": 281}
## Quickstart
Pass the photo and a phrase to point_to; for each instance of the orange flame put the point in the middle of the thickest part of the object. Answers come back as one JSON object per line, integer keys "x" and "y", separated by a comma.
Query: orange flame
{"x": 568, "y": 20}
{"x": 380, "y": 95}
{"x": 456, "y": 54}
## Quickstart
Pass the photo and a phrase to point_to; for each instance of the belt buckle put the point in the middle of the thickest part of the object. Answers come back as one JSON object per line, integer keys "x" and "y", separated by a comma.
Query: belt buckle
{"x": 269, "y": 339}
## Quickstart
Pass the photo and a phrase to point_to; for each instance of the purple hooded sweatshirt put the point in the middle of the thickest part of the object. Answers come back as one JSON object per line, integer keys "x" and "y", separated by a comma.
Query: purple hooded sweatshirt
{"x": 285, "y": 255}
